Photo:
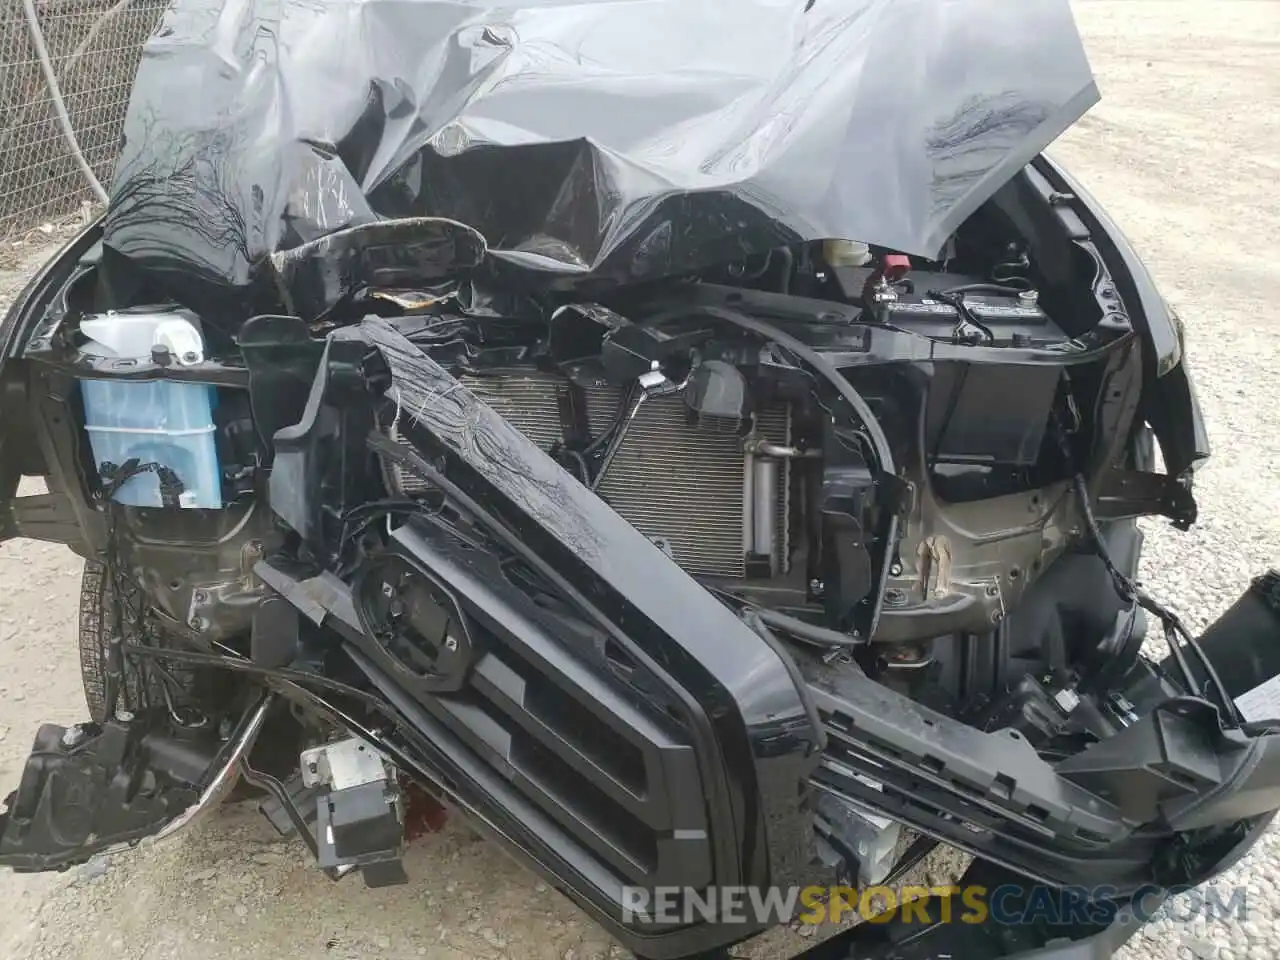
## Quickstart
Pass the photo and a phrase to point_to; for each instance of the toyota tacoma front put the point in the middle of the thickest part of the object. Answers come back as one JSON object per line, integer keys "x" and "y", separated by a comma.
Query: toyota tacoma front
{"x": 703, "y": 452}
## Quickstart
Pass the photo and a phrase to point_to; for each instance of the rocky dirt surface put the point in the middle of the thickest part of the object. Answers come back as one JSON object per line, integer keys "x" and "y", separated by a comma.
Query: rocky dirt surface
{"x": 1183, "y": 152}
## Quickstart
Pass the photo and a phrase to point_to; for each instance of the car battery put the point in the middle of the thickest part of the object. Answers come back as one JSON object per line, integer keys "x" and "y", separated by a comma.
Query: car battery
{"x": 1016, "y": 321}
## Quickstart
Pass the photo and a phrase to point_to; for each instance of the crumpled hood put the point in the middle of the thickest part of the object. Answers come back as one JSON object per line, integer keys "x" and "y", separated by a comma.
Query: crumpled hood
{"x": 620, "y": 139}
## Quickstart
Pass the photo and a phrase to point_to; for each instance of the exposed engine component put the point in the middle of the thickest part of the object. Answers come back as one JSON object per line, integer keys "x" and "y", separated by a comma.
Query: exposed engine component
{"x": 470, "y": 535}
{"x": 686, "y": 481}
{"x": 686, "y": 484}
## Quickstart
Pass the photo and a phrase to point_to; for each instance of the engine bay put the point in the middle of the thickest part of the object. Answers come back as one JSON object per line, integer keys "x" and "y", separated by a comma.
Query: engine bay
{"x": 585, "y": 546}
{"x": 876, "y": 455}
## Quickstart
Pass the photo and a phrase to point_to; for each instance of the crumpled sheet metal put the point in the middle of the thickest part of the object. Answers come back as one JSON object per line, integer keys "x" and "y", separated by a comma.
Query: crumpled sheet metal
{"x": 611, "y": 139}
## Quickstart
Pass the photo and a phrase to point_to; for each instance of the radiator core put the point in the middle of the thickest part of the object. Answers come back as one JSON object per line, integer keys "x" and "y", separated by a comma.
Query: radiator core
{"x": 681, "y": 484}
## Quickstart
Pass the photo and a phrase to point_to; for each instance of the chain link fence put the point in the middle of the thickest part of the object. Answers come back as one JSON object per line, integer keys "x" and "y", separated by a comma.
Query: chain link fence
{"x": 94, "y": 47}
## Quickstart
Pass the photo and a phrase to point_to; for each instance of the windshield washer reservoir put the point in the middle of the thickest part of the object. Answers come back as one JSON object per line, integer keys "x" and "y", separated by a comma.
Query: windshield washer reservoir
{"x": 164, "y": 426}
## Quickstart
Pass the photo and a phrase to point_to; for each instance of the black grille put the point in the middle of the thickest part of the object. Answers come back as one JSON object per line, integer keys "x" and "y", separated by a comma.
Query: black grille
{"x": 542, "y": 709}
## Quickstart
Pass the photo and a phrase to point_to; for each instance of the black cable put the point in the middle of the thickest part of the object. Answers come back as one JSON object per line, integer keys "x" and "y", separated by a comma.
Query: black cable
{"x": 995, "y": 289}
{"x": 757, "y": 616}
{"x": 171, "y": 485}
{"x": 273, "y": 786}
{"x": 168, "y": 684}
{"x": 624, "y": 406}
{"x": 823, "y": 637}
{"x": 381, "y": 508}
{"x": 819, "y": 363}
{"x": 114, "y": 682}
{"x": 264, "y": 781}
{"x": 1009, "y": 277}
{"x": 377, "y": 509}
{"x": 369, "y": 513}
{"x": 1125, "y": 588}
{"x": 574, "y": 463}
{"x": 1174, "y": 629}
{"x": 1130, "y": 592}
{"x": 956, "y": 302}
{"x": 298, "y": 677}
{"x": 171, "y": 488}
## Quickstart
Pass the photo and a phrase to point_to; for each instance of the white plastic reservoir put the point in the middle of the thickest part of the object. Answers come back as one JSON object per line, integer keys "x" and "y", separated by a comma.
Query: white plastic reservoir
{"x": 155, "y": 422}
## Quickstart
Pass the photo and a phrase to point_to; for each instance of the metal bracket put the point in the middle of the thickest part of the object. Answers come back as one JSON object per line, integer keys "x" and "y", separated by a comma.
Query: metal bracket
{"x": 346, "y": 763}
{"x": 1132, "y": 493}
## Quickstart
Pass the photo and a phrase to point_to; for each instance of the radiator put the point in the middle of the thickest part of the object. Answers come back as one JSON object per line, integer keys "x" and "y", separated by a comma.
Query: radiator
{"x": 681, "y": 485}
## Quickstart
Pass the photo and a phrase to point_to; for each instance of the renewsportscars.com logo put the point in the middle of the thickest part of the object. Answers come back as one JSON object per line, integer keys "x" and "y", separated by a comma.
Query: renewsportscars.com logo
{"x": 1010, "y": 904}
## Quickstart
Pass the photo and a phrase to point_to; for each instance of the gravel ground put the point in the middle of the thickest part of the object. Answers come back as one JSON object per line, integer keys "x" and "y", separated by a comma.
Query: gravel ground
{"x": 1183, "y": 152}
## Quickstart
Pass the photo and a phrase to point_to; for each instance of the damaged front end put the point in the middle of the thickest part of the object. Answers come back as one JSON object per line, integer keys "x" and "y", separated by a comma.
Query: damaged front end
{"x": 622, "y": 507}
